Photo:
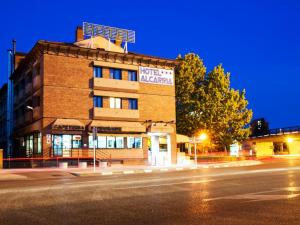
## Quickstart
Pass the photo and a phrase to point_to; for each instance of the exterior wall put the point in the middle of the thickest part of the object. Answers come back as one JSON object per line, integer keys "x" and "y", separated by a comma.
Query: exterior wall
{"x": 264, "y": 149}
{"x": 294, "y": 147}
{"x": 66, "y": 87}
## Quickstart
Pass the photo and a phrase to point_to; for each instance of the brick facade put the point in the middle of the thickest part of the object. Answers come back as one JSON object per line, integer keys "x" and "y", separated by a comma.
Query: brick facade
{"x": 66, "y": 90}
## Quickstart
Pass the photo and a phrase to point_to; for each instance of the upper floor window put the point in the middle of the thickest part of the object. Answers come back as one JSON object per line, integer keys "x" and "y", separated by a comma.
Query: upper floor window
{"x": 133, "y": 103}
{"x": 115, "y": 74}
{"x": 98, "y": 101}
{"x": 132, "y": 75}
{"x": 115, "y": 103}
{"x": 97, "y": 71}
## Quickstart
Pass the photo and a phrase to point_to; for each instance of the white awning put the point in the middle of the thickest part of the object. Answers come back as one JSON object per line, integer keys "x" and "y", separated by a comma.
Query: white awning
{"x": 161, "y": 128}
{"x": 67, "y": 124}
{"x": 182, "y": 138}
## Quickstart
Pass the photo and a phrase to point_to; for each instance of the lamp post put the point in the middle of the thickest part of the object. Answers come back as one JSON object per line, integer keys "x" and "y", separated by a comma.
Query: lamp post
{"x": 202, "y": 137}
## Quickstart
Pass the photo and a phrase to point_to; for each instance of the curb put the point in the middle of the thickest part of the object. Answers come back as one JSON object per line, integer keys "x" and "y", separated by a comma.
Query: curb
{"x": 159, "y": 170}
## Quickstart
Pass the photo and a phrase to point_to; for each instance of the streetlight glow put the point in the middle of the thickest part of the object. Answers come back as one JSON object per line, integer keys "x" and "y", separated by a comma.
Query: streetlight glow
{"x": 289, "y": 140}
{"x": 203, "y": 136}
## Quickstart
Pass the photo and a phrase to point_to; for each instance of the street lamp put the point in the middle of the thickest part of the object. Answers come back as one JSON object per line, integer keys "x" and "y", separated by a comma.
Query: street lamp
{"x": 29, "y": 107}
{"x": 202, "y": 137}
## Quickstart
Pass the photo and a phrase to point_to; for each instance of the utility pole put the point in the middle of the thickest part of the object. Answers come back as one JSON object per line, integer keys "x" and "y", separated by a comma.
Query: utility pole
{"x": 94, "y": 144}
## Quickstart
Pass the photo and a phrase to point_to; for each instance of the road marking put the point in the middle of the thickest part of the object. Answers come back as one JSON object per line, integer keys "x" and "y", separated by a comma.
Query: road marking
{"x": 193, "y": 168}
{"x": 161, "y": 185}
{"x": 107, "y": 173}
{"x": 180, "y": 168}
{"x": 148, "y": 171}
{"x": 206, "y": 167}
{"x": 128, "y": 172}
{"x": 216, "y": 166}
{"x": 164, "y": 169}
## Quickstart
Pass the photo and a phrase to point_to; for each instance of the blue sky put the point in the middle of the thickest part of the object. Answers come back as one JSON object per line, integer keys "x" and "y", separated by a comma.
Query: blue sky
{"x": 258, "y": 42}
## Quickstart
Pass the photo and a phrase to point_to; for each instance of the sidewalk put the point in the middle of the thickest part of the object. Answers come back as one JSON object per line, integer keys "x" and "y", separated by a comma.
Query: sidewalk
{"x": 16, "y": 174}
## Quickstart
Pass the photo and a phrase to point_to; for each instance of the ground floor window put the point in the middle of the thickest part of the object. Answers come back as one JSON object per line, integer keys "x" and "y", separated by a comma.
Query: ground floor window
{"x": 32, "y": 144}
{"x": 111, "y": 142}
{"x": 134, "y": 142}
{"x": 65, "y": 141}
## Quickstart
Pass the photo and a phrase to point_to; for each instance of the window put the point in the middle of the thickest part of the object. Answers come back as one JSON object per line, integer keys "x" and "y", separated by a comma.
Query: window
{"x": 98, "y": 101}
{"x": 101, "y": 141}
{"x": 133, "y": 103}
{"x": 97, "y": 71}
{"x": 111, "y": 142}
{"x": 115, "y": 103}
{"x": 37, "y": 143}
{"x": 65, "y": 141}
{"x": 134, "y": 142}
{"x": 115, "y": 74}
{"x": 132, "y": 75}
{"x": 91, "y": 142}
{"x": 76, "y": 141}
{"x": 119, "y": 142}
{"x": 107, "y": 142}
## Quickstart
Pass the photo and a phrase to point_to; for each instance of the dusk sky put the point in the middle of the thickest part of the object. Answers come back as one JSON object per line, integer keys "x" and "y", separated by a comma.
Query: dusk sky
{"x": 258, "y": 42}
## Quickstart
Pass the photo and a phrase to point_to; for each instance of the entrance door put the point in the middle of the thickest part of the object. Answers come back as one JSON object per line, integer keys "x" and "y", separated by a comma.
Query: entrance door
{"x": 160, "y": 150}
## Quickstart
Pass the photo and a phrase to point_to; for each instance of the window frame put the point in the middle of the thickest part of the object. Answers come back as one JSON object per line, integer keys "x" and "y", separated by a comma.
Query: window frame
{"x": 97, "y": 71}
{"x": 112, "y": 73}
{"x": 130, "y": 75}
{"x": 95, "y": 101}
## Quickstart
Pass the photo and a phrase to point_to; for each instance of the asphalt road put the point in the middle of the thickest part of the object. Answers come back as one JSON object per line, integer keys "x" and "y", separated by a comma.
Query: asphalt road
{"x": 263, "y": 194}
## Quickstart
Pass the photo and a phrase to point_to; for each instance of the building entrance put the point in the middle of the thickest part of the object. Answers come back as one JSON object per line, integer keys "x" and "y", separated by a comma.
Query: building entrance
{"x": 159, "y": 149}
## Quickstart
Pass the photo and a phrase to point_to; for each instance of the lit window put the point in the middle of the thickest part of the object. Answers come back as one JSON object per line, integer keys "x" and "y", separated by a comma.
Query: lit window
{"x": 91, "y": 142}
{"x": 133, "y": 103}
{"x": 76, "y": 141}
{"x": 101, "y": 141}
{"x": 134, "y": 142}
{"x": 98, "y": 101}
{"x": 115, "y": 74}
{"x": 119, "y": 142}
{"x": 115, "y": 103}
{"x": 97, "y": 71}
{"x": 132, "y": 75}
{"x": 111, "y": 142}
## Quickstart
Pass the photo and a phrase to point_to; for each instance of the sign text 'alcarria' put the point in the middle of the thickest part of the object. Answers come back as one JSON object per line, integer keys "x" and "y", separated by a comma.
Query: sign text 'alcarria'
{"x": 156, "y": 76}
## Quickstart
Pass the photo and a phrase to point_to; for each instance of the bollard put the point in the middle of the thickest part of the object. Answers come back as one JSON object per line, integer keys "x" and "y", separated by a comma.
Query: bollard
{"x": 1, "y": 158}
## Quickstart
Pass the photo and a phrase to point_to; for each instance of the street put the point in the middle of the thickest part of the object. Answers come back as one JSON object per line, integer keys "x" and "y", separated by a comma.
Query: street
{"x": 263, "y": 194}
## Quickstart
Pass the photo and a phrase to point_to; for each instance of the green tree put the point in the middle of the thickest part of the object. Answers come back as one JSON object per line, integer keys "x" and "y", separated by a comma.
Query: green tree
{"x": 189, "y": 74}
{"x": 212, "y": 106}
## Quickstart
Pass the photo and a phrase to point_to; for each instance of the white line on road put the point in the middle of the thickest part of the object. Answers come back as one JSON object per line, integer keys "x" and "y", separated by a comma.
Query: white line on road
{"x": 107, "y": 173}
{"x": 128, "y": 172}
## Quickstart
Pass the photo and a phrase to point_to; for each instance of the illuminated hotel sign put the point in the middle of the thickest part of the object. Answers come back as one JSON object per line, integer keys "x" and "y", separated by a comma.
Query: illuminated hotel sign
{"x": 156, "y": 76}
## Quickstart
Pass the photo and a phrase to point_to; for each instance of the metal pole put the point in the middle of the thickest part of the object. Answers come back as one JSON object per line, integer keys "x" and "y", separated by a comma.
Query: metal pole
{"x": 94, "y": 137}
{"x": 195, "y": 151}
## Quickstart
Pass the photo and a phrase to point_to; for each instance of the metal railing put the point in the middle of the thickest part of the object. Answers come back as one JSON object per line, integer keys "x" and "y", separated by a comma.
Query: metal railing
{"x": 280, "y": 131}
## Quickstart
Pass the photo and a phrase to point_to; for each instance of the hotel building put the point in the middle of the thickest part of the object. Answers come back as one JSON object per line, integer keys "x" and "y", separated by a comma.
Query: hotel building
{"x": 64, "y": 91}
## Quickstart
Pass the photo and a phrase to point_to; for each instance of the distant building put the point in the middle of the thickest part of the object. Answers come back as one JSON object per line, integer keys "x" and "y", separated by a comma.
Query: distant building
{"x": 62, "y": 91}
{"x": 259, "y": 127}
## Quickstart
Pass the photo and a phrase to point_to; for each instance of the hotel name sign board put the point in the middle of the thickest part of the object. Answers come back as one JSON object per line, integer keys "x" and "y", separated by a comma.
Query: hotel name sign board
{"x": 152, "y": 75}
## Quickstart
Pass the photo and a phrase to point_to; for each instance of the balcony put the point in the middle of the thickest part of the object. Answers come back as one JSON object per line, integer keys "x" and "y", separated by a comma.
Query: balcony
{"x": 116, "y": 113}
{"x": 112, "y": 84}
